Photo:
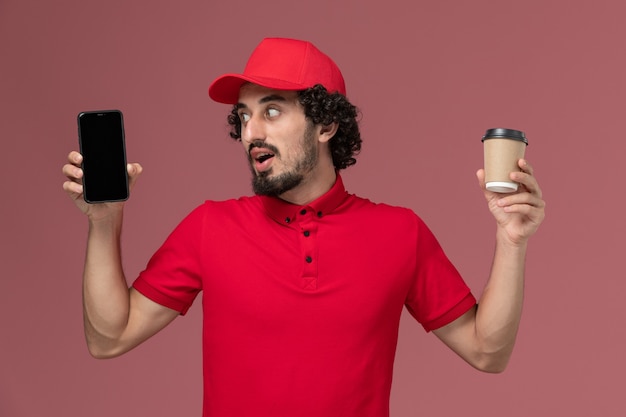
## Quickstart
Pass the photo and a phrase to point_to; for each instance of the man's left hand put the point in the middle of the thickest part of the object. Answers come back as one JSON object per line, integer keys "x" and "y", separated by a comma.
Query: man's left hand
{"x": 519, "y": 214}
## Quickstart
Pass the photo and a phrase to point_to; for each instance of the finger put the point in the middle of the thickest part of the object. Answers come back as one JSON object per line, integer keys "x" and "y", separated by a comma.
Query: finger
{"x": 533, "y": 213}
{"x": 75, "y": 158}
{"x": 72, "y": 187}
{"x": 514, "y": 201}
{"x": 134, "y": 171}
{"x": 480, "y": 175}
{"x": 525, "y": 166}
{"x": 528, "y": 181}
{"x": 73, "y": 172}
{"x": 72, "y": 169}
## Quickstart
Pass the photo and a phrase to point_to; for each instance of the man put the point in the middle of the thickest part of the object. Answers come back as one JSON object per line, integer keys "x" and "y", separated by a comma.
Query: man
{"x": 303, "y": 283}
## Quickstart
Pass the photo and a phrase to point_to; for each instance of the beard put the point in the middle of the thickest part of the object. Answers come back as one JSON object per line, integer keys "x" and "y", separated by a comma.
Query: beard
{"x": 273, "y": 186}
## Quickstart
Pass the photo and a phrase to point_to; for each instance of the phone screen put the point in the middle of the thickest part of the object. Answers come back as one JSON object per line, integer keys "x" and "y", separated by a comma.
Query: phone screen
{"x": 101, "y": 139}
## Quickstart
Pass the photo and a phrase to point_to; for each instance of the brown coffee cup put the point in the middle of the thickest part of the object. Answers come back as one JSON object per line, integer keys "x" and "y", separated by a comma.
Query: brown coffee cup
{"x": 503, "y": 148}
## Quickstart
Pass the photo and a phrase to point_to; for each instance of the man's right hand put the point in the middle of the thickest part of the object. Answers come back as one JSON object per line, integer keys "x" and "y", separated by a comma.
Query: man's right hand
{"x": 74, "y": 188}
{"x": 116, "y": 318}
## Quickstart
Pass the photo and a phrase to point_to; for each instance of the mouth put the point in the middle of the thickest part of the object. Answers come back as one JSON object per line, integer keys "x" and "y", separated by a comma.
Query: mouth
{"x": 261, "y": 158}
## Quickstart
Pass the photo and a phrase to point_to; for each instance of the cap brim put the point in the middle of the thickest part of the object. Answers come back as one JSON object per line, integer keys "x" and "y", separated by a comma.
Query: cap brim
{"x": 225, "y": 89}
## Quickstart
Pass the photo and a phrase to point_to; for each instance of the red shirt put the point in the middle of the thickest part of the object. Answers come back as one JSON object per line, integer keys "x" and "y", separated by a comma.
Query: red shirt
{"x": 302, "y": 304}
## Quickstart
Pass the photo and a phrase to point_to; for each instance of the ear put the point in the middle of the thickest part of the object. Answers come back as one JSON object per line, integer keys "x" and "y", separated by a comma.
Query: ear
{"x": 328, "y": 131}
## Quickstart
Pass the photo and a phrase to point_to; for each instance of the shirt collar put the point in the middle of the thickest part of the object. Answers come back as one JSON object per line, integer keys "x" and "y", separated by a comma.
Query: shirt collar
{"x": 285, "y": 212}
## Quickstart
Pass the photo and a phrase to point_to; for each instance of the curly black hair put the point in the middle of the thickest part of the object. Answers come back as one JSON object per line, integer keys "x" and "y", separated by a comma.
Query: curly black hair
{"x": 324, "y": 108}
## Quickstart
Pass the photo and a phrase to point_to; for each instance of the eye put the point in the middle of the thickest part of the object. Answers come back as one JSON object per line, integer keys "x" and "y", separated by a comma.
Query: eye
{"x": 244, "y": 117}
{"x": 271, "y": 112}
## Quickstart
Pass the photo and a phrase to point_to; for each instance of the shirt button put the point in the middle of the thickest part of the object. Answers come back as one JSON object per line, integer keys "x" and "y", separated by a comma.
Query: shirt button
{"x": 319, "y": 214}
{"x": 287, "y": 220}
{"x": 307, "y": 233}
{"x": 303, "y": 212}
{"x": 308, "y": 259}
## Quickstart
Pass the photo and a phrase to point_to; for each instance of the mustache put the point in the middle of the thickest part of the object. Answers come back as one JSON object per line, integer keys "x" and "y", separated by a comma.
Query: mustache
{"x": 260, "y": 144}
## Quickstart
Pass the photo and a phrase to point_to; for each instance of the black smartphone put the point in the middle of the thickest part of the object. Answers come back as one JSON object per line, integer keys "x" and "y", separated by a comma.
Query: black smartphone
{"x": 102, "y": 144}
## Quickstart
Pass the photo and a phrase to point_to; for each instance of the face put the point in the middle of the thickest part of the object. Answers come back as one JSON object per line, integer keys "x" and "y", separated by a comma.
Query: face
{"x": 281, "y": 144}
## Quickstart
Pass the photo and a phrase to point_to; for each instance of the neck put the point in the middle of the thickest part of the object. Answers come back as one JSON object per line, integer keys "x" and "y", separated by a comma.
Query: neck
{"x": 313, "y": 187}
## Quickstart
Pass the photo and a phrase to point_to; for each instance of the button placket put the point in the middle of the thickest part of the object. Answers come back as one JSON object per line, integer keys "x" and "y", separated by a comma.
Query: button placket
{"x": 308, "y": 240}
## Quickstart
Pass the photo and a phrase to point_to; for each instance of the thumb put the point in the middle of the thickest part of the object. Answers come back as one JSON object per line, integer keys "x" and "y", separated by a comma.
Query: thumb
{"x": 480, "y": 176}
{"x": 134, "y": 171}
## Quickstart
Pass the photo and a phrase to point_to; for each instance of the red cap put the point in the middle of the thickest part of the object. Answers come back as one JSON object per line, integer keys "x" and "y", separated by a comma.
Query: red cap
{"x": 281, "y": 64}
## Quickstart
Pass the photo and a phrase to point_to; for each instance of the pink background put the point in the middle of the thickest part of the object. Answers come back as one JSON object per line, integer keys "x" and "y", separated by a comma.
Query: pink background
{"x": 429, "y": 77}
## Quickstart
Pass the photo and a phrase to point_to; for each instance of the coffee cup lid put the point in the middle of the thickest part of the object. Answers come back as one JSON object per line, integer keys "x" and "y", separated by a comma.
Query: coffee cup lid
{"x": 501, "y": 132}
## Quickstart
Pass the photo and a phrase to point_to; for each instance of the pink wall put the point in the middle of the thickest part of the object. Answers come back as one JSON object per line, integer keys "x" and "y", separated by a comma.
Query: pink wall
{"x": 429, "y": 76}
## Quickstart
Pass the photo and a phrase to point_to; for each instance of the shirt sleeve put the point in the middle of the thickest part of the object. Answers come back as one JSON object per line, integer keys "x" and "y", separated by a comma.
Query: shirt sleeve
{"x": 173, "y": 276}
{"x": 438, "y": 295}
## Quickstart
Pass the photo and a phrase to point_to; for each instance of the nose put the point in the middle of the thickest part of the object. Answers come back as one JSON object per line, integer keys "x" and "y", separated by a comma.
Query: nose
{"x": 253, "y": 129}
